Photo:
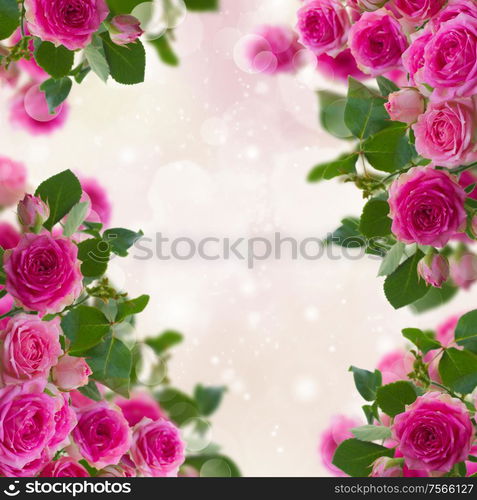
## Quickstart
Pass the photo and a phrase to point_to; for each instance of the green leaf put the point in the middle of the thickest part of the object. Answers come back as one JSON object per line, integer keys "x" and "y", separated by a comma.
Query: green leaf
{"x": 208, "y": 398}
{"x": 94, "y": 254}
{"x": 121, "y": 240}
{"x": 392, "y": 259}
{"x": 365, "y": 114}
{"x": 386, "y": 86}
{"x": 131, "y": 307}
{"x": 347, "y": 235}
{"x": 403, "y": 286}
{"x": 466, "y": 331}
{"x": 213, "y": 465}
{"x": 375, "y": 220}
{"x": 56, "y": 61}
{"x": 435, "y": 297}
{"x": 458, "y": 370}
{"x": 110, "y": 362}
{"x": 389, "y": 150}
{"x": 75, "y": 218}
{"x": 127, "y": 63}
{"x": 422, "y": 340}
{"x": 56, "y": 91}
{"x": 91, "y": 391}
{"x": 371, "y": 432}
{"x": 366, "y": 382}
{"x": 96, "y": 58}
{"x": 3, "y": 276}
{"x": 164, "y": 341}
{"x": 9, "y": 17}
{"x": 165, "y": 51}
{"x": 179, "y": 406}
{"x": 393, "y": 398}
{"x": 332, "y": 114}
{"x": 61, "y": 192}
{"x": 355, "y": 457}
{"x": 202, "y": 5}
{"x": 123, "y": 6}
{"x": 85, "y": 327}
{"x": 346, "y": 164}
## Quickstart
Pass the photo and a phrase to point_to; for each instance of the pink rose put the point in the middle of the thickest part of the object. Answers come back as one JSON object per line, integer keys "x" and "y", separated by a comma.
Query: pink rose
{"x": 377, "y": 42}
{"x": 369, "y": 5}
{"x": 65, "y": 22}
{"x": 102, "y": 435}
{"x": 427, "y": 206}
{"x": 434, "y": 269}
{"x": 32, "y": 212}
{"x": 445, "y": 133}
{"x": 340, "y": 67}
{"x": 12, "y": 181}
{"x": 64, "y": 467}
{"x": 413, "y": 58}
{"x": 323, "y": 26}
{"x": 9, "y": 236}
{"x": 125, "y": 468}
{"x": 339, "y": 431}
{"x": 6, "y": 305}
{"x": 125, "y": 29}
{"x": 157, "y": 449}
{"x": 29, "y": 348}
{"x": 452, "y": 10}
{"x": 387, "y": 467}
{"x": 405, "y": 105}
{"x": 273, "y": 49}
{"x": 31, "y": 469}
{"x": 450, "y": 59}
{"x": 65, "y": 420}
{"x": 43, "y": 273}
{"x": 463, "y": 269}
{"x": 27, "y": 424}
{"x": 140, "y": 405}
{"x": 70, "y": 373}
{"x": 445, "y": 332}
{"x": 396, "y": 366}
{"x": 19, "y": 117}
{"x": 98, "y": 197}
{"x": 434, "y": 433}
{"x": 418, "y": 11}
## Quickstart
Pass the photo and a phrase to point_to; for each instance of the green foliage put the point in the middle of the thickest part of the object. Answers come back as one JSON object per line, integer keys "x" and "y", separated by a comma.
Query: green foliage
{"x": 9, "y": 17}
{"x": 366, "y": 382}
{"x": 127, "y": 63}
{"x": 393, "y": 398}
{"x": 202, "y": 5}
{"x": 179, "y": 406}
{"x": 56, "y": 91}
{"x": 213, "y": 465}
{"x": 121, "y": 240}
{"x": 435, "y": 297}
{"x": 346, "y": 164}
{"x": 458, "y": 370}
{"x": 332, "y": 114}
{"x": 424, "y": 341}
{"x": 208, "y": 398}
{"x": 165, "y": 51}
{"x": 94, "y": 254}
{"x": 131, "y": 307}
{"x": 164, "y": 341}
{"x": 375, "y": 220}
{"x": 466, "y": 331}
{"x": 56, "y": 61}
{"x": 371, "y": 432}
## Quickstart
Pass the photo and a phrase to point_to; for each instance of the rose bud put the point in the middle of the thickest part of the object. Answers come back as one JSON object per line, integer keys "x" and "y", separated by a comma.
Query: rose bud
{"x": 71, "y": 373}
{"x": 125, "y": 29}
{"x": 434, "y": 269}
{"x": 370, "y": 5}
{"x": 463, "y": 269}
{"x": 387, "y": 467}
{"x": 32, "y": 213}
{"x": 405, "y": 105}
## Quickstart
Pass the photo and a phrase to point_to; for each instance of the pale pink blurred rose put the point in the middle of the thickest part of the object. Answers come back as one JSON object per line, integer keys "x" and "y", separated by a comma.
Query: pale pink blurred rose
{"x": 463, "y": 270}
{"x": 125, "y": 29}
{"x": 405, "y": 105}
{"x": 188, "y": 471}
{"x": 101, "y": 205}
{"x": 396, "y": 366}
{"x": 434, "y": 270}
{"x": 70, "y": 373}
{"x": 337, "y": 432}
{"x": 32, "y": 212}
{"x": 140, "y": 405}
{"x": 9, "y": 236}
{"x": 9, "y": 76}
{"x": 387, "y": 467}
{"x": 445, "y": 332}
{"x": 340, "y": 67}
{"x": 13, "y": 177}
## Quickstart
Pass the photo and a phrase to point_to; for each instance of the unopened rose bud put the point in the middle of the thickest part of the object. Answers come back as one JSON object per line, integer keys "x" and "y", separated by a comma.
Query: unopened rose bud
{"x": 32, "y": 213}
{"x": 463, "y": 269}
{"x": 71, "y": 373}
{"x": 367, "y": 5}
{"x": 387, "y": 467}
{"x": 434, "y": 269}
{"x": 125, "y": 29}
{"x": 405, "y": 105}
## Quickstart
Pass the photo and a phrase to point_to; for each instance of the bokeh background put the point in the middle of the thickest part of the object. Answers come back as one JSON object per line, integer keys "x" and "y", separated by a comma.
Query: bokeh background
{"x": 207, "y": 149}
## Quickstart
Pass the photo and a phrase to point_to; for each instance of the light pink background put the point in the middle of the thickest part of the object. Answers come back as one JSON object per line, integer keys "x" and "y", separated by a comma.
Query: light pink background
{"x": 209, "y": 150}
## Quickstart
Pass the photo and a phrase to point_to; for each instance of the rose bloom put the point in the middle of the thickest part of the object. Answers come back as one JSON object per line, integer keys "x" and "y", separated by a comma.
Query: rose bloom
{"x": 413, "y": 58}
{"x": 405, "y": 105}
{"x": 125, "y": 29}
{"x": 434, "y": 433}
{"x": 138, "y": 406}
{"x": 64, "y": 467}
{"x": 377, "y": 42}
{"x": 9, "y": 236}
{"x": 70, "y": 373}
{"x": 434, "y": 269}
{"x": 12, "y": 181}
{"x": 27, "y": 424}
{"x": 6, "y": 305}
{"x": 65, "y": 420}
{"x": 43, "y": 273}
{"x": 418, "y": 11}
{"x": 32, "y": 212}
{"x": 463, "y": 270}
{"x": 29, "y": 348}
{"x": 98, "y": 197}
{"x": 21, "y": 119}
{"x": 65, "y": 22}
{"x": 31, "y": 469}
{"x": 387, "y": 467}
{"x": 323, "y": 26}
{"x": 157, "y": 449}
{"x": 102, "y": 435}
{"x": 340, "y": 67}
{"x": 337, "y": 432}
{"x": 125, "y": 468}
{"x": 427, "y": 206}
{"x": 450, "y": 65}
{"x": 396, "y": 366}
{"x": 452, "y": 9}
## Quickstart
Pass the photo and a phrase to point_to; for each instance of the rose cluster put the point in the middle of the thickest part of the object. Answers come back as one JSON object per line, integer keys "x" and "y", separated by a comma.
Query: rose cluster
{"x": 423, "y": 416}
